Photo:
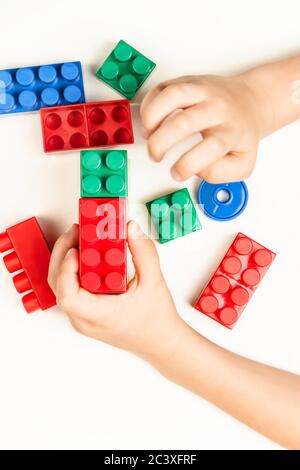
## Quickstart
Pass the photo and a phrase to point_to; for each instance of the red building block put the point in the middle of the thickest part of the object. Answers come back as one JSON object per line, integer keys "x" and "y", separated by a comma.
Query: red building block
{"x": 31, "y": 256}
{"x": 234, "y": 282}
{"x": 88, "y": 125}
{"x": 103, "y": 265}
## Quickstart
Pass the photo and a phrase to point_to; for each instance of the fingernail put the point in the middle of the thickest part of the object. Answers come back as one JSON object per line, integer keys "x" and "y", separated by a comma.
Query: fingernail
{"x": 70, "y": 229}
{"x": 69, "y": 253}
{"x": 175, "y": 175}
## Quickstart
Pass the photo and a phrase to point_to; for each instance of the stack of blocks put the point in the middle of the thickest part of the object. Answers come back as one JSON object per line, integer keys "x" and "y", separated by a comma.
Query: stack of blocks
{"x": 102, "y": 221}
{"x": 104, "y": 182}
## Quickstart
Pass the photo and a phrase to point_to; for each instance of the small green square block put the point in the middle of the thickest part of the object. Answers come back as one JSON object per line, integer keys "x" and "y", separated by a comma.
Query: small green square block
{"x": 125, "y": 69}
{"x": 173, "y": 215}
{"x": 103, "y": 173}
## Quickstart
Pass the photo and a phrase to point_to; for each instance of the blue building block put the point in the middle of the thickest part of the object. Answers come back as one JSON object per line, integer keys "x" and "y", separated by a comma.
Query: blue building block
{"x": 223, "y": 202}
{"x": 31, "y": 88}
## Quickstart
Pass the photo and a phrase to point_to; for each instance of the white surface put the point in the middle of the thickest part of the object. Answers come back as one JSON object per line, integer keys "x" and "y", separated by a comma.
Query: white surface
{"x": 61, "y": 390}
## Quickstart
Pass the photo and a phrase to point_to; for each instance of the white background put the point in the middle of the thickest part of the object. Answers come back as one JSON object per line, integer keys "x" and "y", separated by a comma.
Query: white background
{"x": 61, "y": 390}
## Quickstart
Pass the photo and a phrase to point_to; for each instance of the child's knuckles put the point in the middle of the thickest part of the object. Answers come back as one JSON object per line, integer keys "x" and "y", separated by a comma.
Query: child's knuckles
{"x": 220, "y": 105}
{"x": 176, "y": 91}
{"x": 184, "y": 123}
{"x": 218, "y": 145}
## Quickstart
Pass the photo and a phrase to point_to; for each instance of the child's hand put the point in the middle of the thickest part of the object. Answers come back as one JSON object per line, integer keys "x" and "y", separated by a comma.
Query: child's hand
{"x": 144, "y": 320}
{"x": 227, "y": 111}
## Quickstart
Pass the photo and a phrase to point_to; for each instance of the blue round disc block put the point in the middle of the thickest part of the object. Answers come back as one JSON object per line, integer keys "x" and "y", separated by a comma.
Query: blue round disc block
{"x": 223, "y": 201}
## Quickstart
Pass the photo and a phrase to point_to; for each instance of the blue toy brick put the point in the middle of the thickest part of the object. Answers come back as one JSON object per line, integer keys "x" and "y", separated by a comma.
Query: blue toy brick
{"x": 233, "y": 203}
{"x": 31, "y": 88}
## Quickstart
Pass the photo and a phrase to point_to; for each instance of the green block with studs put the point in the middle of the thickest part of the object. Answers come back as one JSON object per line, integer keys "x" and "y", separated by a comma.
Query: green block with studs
{"x": 103, "y": 173}
{"x": 174, "y": 215}
{"x": 125, "y": 69}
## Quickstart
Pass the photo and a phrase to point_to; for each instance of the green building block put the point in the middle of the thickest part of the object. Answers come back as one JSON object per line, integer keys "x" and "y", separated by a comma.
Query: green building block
{"x": 173, "y": 215}
{"x": 103, "y": 173}
{"x": 125, "y": 69}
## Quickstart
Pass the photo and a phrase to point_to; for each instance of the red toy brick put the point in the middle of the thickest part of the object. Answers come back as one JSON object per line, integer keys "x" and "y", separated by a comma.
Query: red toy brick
{"x": 103, "y": 265}
{"x": 31, "y": 255}
{"x": 89, "y": 125}
{"x": 235, "y": 280}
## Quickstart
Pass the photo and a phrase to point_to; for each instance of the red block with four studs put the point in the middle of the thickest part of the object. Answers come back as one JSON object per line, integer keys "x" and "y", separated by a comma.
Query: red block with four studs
{"x": 29, "y": 254}
{"x": 229, "y": 290}
{"x": 89, "y": 125}
{"x": 103, "y": 264}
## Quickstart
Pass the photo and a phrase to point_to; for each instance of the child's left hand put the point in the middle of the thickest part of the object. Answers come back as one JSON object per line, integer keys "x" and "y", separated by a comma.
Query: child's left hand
{"x": 144, "y": 320}
{"x": 229, "y": 113}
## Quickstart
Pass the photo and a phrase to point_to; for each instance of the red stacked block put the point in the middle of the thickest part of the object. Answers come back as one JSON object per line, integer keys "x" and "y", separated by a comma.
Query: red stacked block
{"x": 103, "y": 265}
{"x": 89, "y": 125}
{"x": 229, "y": 290}
{"x": 31, "y": 256}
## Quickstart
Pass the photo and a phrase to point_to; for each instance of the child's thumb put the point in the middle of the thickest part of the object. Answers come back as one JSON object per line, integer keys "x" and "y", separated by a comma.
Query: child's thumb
{"x": 144, "y": 254}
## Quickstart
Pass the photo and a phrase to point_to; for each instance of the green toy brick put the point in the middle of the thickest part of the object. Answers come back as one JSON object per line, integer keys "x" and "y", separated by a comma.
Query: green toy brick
{"x": 173, "y": 215}
{"x": 103, "y": 173}
{"x": 125, "y": 69}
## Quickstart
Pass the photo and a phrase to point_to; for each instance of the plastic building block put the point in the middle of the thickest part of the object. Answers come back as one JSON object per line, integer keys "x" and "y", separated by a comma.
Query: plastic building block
{"x": 102, "y": 245}
{"x": 125, "y": 69}
{"x": 32, "y": 88}
{"x": 223, "y": 202}
{"x": 89, "y": 125}
{"x": 229, "y": 290}
{"x": 30, "y": 256}
{"x": 173, "y": 215}
{"x": 103, "y": 173}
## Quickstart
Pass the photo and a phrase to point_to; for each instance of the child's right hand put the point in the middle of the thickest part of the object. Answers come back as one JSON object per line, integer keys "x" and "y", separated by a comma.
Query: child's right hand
{"x": 230, "y": 114}
{"x": 144, "y": 320}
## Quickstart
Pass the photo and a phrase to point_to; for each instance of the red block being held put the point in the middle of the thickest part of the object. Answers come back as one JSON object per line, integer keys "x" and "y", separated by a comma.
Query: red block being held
{"x": 229, "y": 290}
{"x": 30, "y": 256}
{"x": 88, "y": 125}
{"x": 103, "y": 264}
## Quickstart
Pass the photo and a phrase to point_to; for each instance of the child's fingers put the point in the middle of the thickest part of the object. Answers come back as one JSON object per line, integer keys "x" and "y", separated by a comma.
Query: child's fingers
{"x": 67, "y": 284}
{"x": 156, "y": 90}
{"x": 212, "y": 148}
{"x": 231, "y": 168}
{"x": 144, "y": 254}
{"x": 149, "y": 97}
{"x": 173, "y": 97}
{"x": 74, "y": 300}
{"x": 180, "y": 126}
{"x": 68, "y": 240}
